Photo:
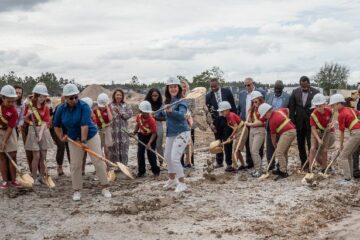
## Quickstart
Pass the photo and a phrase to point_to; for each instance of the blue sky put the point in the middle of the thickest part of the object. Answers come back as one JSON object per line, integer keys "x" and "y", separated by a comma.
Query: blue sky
{"x": 97, "y": 41}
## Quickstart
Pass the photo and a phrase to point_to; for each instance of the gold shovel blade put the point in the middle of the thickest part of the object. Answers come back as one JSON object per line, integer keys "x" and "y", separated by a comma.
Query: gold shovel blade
{"x": 111, "y": 176}
{"x": 49, "y": 182}
{"x": 24, "y": 182}
{"x": 125, "y": 170}
{"x": 264, "y": 176}
{"x": 26, "y": 177}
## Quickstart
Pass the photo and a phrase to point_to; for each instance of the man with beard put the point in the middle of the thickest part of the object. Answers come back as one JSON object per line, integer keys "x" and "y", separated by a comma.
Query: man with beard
{"x": 300, "y": 104}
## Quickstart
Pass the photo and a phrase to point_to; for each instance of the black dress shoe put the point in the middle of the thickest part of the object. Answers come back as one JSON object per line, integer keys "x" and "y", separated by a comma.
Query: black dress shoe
{"x": 219, "y": 165}
{"x": 140, "y": 175}
{"x": 281, "y": 176}
{"x": 230, "y": 169}
{"x": 242, "y": 168}
{"x": 276, "y": 171}
{"x": 250, "y": 166}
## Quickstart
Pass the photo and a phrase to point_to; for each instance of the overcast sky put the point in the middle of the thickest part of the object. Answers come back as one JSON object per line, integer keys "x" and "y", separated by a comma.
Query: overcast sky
{"x": 96, "y": 41}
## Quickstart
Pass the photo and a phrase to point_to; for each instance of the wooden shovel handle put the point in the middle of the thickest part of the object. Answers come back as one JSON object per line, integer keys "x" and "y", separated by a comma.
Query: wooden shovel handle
{"x": 331, "y": 163}
{"x": 242, "y": 133}
{"x": 13, "y": 162}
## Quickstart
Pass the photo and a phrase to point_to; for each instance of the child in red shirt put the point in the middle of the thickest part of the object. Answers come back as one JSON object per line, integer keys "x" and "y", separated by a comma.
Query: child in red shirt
{"x": 8, "y": 138}
{"x": 146, "y": 131}
{"x": 234, "y": 122}
{"x": 280, "y": 125}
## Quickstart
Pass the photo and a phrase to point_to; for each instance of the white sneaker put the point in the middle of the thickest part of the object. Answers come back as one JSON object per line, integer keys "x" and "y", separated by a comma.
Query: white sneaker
{"x": 171, "y": 183}
{"x": 106, "y": 193}
{"x": 77, "y": 196}
{"x": 96, "y": 178}
{"x": 181, "y": 187}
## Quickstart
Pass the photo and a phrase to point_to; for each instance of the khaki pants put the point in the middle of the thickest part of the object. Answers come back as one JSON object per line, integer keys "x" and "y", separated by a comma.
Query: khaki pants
{"x": 77, "y": 154}
{"x": 346, "y": 154}
{"x": 282, "y": 148}
{"x": 256, "y": 138}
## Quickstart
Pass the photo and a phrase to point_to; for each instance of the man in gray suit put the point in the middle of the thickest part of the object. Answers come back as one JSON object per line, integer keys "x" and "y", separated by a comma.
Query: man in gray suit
{"x": 243, "y": 109}
{"x": 277, "y": 99}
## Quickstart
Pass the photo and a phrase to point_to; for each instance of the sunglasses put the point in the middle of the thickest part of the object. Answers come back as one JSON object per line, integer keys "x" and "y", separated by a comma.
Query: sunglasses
{"x": 248, "y": 85}
{"x": 73, "y": 97}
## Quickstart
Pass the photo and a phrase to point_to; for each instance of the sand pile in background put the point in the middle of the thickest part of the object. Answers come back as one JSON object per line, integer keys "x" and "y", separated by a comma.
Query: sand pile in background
{"x": 93, "y": 91}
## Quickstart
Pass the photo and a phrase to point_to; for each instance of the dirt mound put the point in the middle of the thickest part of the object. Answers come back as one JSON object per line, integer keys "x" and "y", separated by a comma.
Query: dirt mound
{"x": 134, "y": 98}
{"x": 93, "y": 91}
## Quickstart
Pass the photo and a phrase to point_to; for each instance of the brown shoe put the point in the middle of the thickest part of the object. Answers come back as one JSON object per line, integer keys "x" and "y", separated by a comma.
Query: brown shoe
{"x": 60, "y": 171}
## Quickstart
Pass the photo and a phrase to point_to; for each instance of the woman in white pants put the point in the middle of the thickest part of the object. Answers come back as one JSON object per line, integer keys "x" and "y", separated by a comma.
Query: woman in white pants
{"x": 177, "y": 134}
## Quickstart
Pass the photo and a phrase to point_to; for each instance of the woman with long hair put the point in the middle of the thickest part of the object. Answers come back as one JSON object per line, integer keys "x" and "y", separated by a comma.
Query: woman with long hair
{"x": 155, "y": 98}
{"x": 177, "y": 133}
{"x": 122, "y": 112}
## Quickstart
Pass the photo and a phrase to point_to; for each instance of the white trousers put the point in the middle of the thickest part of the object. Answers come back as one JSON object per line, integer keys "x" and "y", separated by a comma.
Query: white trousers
{"x": 174, "y": 149}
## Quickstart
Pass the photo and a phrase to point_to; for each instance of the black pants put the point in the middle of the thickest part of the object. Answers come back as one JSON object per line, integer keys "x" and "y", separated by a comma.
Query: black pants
{"x": 270, "y": 148}
{"x": 249, "y": 160}
{"x": 61, "y": 148}
{"x": 223, "y": 133}
{"x": 192, "y": 154}
{"x": 303, "y": 136}
{"x": 150, "y": 155}
{"x": 355, "y": 157}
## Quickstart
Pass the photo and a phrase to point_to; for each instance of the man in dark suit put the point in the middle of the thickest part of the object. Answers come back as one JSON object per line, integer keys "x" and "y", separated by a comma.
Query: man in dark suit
{"x": 220, "y": 127}
{"x": 299, "y": 105}
{"x": 243, "y": 108}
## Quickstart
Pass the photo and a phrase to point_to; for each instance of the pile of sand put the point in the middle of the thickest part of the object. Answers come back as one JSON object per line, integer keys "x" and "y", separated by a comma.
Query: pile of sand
{"x": 93, "y": 91}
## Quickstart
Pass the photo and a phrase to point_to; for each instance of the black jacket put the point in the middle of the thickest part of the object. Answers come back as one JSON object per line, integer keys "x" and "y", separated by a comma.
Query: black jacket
{"x": 301, "y": 115}
{"x": 226, "y": 95}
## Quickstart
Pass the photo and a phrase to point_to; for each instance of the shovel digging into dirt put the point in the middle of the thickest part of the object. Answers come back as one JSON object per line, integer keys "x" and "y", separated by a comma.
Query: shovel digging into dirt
{"x": 267, "y": 174}
{"x": 119, "y": 165}
{"x": 23, "y": 178}
{"x": 325, "y": 175}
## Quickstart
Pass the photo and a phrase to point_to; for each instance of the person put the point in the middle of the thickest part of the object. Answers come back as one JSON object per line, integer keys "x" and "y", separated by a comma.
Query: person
{"x": 103, "y": 117}
{"x": 356, "y": 154}
{"x": 8, "y": 139}
{"x": 122, "y": 112}
{"x": 257, "y": 132}
{"x": 299, "y": 106}
{"x": 37, "y": 115}
{"x": 187, "y": 159}
{"x": 236, "y": 124}
{"x": 90, "y": 103}
{"x": 145, "y": 128}
{"x": 280, "y": 125}
{"x": 177, "y": 134}
{"x": 348, "y": 119}
{"x": 277, "y": 99}
{"x": 20, "y": 108}
{"x": 75, "y": 117}
{"x": 154, "y": 97}
{"x": 320, "y": 119}
{"x": 243, "y": 110}
{"x": 219, "y": 124}
{"x": 61, "y": 146}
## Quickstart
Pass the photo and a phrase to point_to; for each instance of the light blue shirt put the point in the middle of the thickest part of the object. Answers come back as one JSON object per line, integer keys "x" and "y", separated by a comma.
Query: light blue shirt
{"x": 277, "y": 102}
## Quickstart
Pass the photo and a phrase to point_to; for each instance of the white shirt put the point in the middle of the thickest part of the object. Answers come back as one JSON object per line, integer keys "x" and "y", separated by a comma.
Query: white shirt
{"x": 218, "y": 96}
{"x": 248, "y": 102}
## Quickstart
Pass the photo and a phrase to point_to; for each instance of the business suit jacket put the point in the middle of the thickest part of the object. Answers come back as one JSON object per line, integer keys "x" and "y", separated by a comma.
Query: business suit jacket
{"x": 241, "y": 110}
{"x": 211, "y": 103}
{"x": 285, "y": 99}
{"x": 301, "y": 115}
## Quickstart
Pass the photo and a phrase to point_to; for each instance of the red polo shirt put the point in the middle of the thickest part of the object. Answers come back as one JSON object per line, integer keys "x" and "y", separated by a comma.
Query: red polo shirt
{"x": 10, "y": 115}
{"x": 104, "y": 114}
{"x": 256, "y": 117}
{"x": 146, "y": 125}
{"x": 233, "y": 119}
{"x": 276, "y": 119}
{"x": 345, "y": 118}
{"x": 43, "y": 111}
{"x": 324, "y": 118}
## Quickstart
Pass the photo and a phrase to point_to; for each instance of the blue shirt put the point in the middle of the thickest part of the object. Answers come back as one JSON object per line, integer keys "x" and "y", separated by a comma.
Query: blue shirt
{"x": 72, "y": 119}
{"x": 277, "y": 102}
{"x": 176, "y": 120}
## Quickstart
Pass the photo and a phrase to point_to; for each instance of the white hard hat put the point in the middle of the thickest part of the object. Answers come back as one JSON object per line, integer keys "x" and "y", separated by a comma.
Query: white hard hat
{"x": 173, "y": 81}
{"x": 88, "y": 101}
{"x": 263, "y": 109}
{"x": 70, "y": 89}
{"x": 336, "y": 98}
{"x": 318, "y": 99}
{"x": 255, "y": 94}
{"x": 103, "y": 100}
{"x": 8, "y": 91}
{"x": 41, "y": 89}
{"x": 224, "y": 105}
{"x": 145, "y": 107}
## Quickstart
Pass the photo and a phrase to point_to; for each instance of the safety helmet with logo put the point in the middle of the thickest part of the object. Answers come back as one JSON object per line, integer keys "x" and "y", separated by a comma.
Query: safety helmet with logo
{"x": 8, "y": 91}
{"x": 145, "y": 107}
{"x": 88, "y": 101}
{"x": 264, "y": 108}
{"x": 41, "y": 89}
{"x": 318, "y": 99}
{"x": 103, "y": 100}
{"x": 336, "y": 98}
{"x": 173, "y": 81}
{"x": 255, "y": 94}
{"x": 70, "y": 89}
{"x": 224, "y": 105}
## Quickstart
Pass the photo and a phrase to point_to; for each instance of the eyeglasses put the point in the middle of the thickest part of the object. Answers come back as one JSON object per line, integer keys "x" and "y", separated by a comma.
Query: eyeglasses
{"x": 248, "y": 85}
{"x": 73, "y": 97}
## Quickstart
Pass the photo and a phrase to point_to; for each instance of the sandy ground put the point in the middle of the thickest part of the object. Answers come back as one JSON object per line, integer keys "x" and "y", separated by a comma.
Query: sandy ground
{"x": 228, "y": 206}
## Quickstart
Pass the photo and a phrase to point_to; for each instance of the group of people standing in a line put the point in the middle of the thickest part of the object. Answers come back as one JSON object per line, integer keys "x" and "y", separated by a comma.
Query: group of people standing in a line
{"x": 276, "y": 119}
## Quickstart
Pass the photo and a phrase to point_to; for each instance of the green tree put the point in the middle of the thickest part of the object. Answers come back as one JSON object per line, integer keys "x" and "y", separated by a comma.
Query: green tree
{"x": 135, "y": 81}
{"x": 203, "y": 79}
{"x": 332, "y": 76}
